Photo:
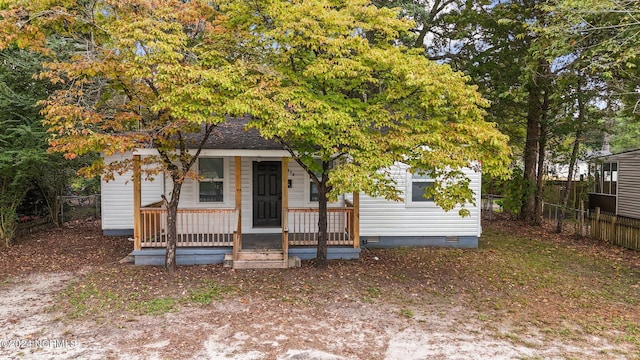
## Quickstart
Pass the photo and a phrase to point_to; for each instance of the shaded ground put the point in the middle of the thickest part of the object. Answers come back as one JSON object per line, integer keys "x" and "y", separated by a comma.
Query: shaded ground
{"x": 524, "y": 294}
{"x": 78, "y": 244}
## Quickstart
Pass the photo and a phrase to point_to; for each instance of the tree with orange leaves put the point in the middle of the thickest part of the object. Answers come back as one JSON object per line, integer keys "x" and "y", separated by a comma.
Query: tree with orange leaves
{"x": 144, "y": 73}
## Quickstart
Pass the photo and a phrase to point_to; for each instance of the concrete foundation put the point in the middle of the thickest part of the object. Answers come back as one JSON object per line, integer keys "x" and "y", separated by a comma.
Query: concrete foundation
{"x": 203, "y": 256}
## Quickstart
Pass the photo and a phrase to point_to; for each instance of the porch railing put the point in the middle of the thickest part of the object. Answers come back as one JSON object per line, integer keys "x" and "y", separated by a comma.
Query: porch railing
{"x": 303, "y": 226}
{"x": 196, "y": 227}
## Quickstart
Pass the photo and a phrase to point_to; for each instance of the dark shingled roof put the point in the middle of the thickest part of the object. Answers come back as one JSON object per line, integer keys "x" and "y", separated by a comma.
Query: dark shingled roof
{"x": 233, "y": 134}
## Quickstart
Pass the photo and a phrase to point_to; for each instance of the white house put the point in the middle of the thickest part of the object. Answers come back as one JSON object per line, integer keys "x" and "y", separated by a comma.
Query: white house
{"x": 252, "y": 199}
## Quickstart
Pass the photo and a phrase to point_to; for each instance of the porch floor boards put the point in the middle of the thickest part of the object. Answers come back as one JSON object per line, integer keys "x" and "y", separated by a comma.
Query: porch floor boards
{"x": 262, "y": 241}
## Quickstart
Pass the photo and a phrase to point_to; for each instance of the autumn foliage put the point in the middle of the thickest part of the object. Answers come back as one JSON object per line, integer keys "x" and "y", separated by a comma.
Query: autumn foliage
{"x": 327, "y": 79}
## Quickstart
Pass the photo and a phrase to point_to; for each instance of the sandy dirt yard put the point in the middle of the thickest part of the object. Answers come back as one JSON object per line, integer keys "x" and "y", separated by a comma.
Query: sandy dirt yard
{"x": 64, "y": 307}
{"x": 241, "y": 329}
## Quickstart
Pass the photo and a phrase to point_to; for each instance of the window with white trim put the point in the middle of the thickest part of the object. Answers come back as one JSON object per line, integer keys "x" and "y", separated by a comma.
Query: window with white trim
{"x": 416, "y": 186}
{"x": 313, "y": 191}
{"x": 211, "y": 184}
{"x": 313, "y": 188}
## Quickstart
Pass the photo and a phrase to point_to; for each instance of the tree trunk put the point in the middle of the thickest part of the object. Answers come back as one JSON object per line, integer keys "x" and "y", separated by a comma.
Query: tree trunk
{"x": 539, "y": 191}
{"x": 323, "y": 189}
{"x": 567, "y": 188}
{"x": 53, "y": 202}
{"x": 542, "y": 151}
{"x": 420, "y": 39}
{"x": 609, "y": 123}
{"x": 9, "y": 202}
{"x": 321, "y": 255}
{"x": 572, "y": 161}
{"x": 7, "y": 225}
{"x": 172, "y": 230}
{"x": 527, "y": 213}
{"x": 538, "y": 104}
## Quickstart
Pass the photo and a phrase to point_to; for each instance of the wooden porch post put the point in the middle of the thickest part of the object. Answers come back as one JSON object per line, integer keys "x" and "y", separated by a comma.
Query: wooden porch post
{"x": 285, "y": 208}
{"x": 237, "y": 246}
{"x": 356, "y": 219}
{"x": 137, "y": 203}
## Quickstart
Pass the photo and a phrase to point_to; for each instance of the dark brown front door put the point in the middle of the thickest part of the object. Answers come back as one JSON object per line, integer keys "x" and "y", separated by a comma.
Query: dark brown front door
{"x": 267, "y": 194}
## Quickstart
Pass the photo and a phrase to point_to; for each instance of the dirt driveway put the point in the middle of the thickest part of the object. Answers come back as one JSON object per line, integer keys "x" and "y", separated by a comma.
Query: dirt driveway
{"x": 55, "y": 311}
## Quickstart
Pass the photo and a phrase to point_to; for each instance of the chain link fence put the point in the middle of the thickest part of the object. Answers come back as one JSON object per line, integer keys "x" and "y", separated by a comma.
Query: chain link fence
{"x": 576, "y": 218}
{"x": 68, "y": 208}
{"x": 79, "y": 207}
{"x": 491, "y": 205}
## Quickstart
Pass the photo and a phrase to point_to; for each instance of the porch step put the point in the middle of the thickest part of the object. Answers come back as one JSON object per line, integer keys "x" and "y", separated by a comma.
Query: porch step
{"x": 261, "y": 255}
{"x": 260, "y": 259}
{"x": 256, "y": 264}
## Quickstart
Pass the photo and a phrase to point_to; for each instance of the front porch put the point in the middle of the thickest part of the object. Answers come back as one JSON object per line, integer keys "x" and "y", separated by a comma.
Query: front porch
{"x": 215, "y": 235}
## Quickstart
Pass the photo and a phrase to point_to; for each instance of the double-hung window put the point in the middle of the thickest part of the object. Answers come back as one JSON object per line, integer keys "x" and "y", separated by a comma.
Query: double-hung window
{"x": 416, "y": 187}
{"x": 313, "y": 191}
{"x": 211, "y": 184}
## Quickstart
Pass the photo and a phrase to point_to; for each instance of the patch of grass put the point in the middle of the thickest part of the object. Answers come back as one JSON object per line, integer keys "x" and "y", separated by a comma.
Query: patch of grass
{"x": 408, "y": 313}
{"x": 630, "y": 333}
{"x": 294, "y": 299}
{"x": 157, "y": 306}
{"x": 103, "y": 293}
{"x": 564, "y": 333}
{"x": 79, "y": 298}
{"x": 512, "y": 337}
{"x": 572, "y": 289}
{"x": 209, "y": 292}
{"x": 371, "y": 293}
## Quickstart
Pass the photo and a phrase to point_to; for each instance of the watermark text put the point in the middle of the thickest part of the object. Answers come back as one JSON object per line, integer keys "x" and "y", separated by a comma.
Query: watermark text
{"x": 37, "y": 344}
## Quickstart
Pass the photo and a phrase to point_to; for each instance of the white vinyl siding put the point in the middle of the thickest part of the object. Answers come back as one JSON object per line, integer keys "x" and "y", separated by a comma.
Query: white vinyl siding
{"x": 380, "y": 217}
{"x": 190, "y": 196}
{"x": 117, "y": 197}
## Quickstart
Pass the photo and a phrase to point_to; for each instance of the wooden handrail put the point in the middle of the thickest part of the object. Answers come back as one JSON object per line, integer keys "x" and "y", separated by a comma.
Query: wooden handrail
{"x": 157, "y": 204}
{"x": 237, "y": 236}
{"x": 304, "y": 227}
{"x": 196, "y": 227}
{"x": 222, "y": 227}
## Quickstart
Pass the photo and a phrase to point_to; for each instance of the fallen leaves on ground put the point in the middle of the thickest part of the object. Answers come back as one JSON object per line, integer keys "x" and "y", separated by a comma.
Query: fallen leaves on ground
{"x": 528, "y": 276}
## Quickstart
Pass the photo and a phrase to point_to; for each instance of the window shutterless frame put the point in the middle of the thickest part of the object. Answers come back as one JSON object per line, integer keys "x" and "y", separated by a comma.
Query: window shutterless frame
{"x": 416, "y": 186}
{"x": 211, "y": 183}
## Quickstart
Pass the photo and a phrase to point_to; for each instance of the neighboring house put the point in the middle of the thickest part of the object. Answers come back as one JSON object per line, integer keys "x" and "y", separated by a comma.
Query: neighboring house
{"x": 557, "y": 171}
{"x": 617, "y": 184}
{"x": 254, "y": 204}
